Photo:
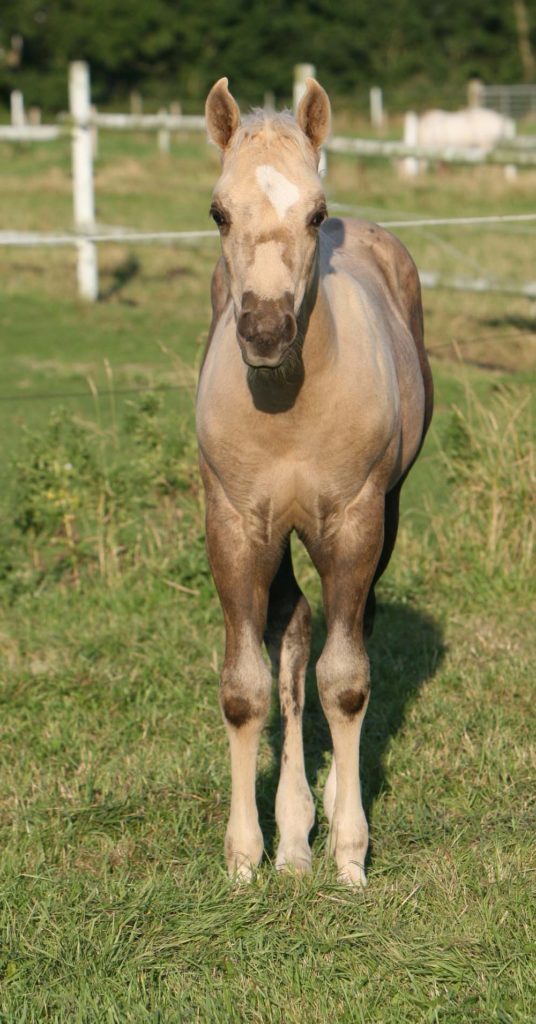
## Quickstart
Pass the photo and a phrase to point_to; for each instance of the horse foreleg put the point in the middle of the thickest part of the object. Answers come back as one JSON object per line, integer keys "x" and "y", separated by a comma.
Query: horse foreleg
{"x": 242, "y": 572}
{"x": 347, "y": 564}
{"x": 245, "y": 692}
{"x": 288, "y": 638}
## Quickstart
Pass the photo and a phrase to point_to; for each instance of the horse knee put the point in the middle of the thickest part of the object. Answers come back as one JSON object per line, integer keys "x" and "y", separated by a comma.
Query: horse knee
{"x": 238, "y": 710}
{"x": 245, "y": 690}
{"x": 343, "y": 677}
{"x": 242, "y": 708}
{"x": 351, "y": 700}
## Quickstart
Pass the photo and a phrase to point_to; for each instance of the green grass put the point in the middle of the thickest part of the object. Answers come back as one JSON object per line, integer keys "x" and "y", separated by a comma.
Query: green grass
{"x": 114, "y": 903}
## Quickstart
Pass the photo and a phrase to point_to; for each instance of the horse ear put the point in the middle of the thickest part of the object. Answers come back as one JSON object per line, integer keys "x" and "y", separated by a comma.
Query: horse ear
{"x": 222, "y": 114}
{"x": 314, "y": 113}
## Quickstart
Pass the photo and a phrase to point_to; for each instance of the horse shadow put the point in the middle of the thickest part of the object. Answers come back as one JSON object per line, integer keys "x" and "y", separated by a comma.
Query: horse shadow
{"x": 405, "y": 651}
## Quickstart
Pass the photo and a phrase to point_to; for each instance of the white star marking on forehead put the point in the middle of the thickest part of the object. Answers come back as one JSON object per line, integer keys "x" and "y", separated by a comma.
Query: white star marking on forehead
{"x": 281, "y": 192}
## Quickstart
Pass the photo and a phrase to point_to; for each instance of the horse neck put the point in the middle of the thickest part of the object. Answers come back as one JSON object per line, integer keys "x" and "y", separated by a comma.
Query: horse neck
{"x": 276, "y": 391}
{"x": 317, "y": 323}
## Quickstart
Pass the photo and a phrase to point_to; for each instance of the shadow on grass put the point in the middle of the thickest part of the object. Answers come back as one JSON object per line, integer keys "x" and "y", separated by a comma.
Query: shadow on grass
{"x": 522, "y": 323}
{"x": 121, "y": 276}
{"x": 405, "y": 650}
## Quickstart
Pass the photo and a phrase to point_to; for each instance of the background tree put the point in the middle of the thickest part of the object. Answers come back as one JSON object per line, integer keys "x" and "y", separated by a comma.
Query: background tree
{"x": 421, "y": 51}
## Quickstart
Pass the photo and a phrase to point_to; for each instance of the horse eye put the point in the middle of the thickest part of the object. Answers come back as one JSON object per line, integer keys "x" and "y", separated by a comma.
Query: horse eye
{"x": 318, "y": 218}
{"x": 218, "y": 217}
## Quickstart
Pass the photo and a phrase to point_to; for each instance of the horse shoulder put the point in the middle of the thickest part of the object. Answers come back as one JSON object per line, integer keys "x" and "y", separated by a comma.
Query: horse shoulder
{"x": 383, "y": 267}
{"x": 392, "y": 261}
{"x": 402, "y": 281}
{"x": 378, "y": 251}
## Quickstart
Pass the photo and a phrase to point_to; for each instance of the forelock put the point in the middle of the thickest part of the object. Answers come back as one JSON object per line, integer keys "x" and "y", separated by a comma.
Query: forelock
{"x": 265, "y": 128}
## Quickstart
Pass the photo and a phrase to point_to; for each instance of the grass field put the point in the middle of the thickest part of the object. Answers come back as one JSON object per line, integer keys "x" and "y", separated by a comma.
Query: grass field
{"x": 115, "y": 906}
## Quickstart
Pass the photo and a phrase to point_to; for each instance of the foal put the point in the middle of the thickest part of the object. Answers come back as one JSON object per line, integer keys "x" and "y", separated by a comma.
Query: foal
{"x": 314, "y": 399}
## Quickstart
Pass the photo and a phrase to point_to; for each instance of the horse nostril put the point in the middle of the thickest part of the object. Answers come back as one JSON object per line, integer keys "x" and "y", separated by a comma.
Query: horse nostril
{"x": 290, "y": 327}
{"x": 245, "y": 327}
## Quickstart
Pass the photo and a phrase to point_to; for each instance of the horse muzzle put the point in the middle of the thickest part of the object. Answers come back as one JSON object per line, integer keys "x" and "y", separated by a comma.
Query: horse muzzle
{"x": 266, "y": 329}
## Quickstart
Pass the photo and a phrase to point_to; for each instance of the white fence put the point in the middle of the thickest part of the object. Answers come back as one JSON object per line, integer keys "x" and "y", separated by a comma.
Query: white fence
{"x": 506, "y": 154}
{"x": 148, "y": 122}
{"x": 86, "y": 236}
{"x": 30, "y": 132}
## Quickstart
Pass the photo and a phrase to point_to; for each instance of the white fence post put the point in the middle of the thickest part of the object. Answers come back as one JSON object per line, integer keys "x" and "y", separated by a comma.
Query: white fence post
{"x": 17, "y": 109}
{"x": 94, "y": 132}
{"x": 301, "y": 72}
{"x": 163, "y": 135}
{"x": 82, "y": 164}
{"x": 410, "y": 164}
{"x": 376, "y": 107}
{"x": 475, "y": 93}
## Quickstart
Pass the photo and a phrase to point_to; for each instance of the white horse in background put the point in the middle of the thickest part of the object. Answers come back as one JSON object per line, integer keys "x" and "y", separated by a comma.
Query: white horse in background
{"x": 464, "y": 129}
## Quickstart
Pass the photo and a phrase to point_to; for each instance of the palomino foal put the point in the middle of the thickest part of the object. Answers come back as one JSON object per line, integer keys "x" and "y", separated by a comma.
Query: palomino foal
{"x": 314, "y": 398}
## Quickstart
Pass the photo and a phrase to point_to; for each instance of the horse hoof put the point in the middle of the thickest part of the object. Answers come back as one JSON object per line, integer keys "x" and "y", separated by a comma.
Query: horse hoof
{"x": 294, "y": 860}
{"x": 353, "y": 875}
{"x": 241, "y": 874}
{"x": 241, "y": 868}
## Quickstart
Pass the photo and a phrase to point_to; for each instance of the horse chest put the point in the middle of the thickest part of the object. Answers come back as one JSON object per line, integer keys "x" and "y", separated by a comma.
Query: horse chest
{"x": 283, "y": 478}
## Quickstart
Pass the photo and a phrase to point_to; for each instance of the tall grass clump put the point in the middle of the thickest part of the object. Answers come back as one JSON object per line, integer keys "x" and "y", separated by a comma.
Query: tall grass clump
{"x": 88, "y": 501}
{"x": 488, "y": 454}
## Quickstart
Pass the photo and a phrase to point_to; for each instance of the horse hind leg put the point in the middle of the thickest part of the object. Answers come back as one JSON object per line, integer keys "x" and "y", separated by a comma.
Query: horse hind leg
{"x": 288, "y": 637}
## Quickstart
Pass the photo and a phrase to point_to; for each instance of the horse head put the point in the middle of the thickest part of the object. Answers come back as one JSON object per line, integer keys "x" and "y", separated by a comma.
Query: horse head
{"x": 268, "y": 204}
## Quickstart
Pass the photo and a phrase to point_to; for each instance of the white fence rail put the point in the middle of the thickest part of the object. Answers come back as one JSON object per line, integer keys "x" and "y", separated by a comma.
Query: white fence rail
{"x": 448, "y": 154}
{"x": 520, "y": 151}
{"x": 27, "y": 239}
{"x": 30, "y": 133}
{"x": 434, "y": 279}
{"x": 149, "y": 122}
